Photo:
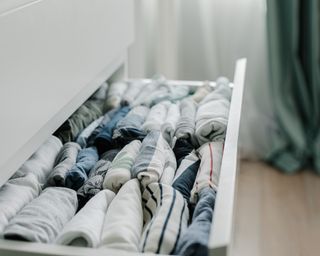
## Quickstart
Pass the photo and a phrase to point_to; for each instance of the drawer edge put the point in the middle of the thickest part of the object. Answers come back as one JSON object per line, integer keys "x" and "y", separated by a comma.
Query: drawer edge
{"x": 221, "y": 229}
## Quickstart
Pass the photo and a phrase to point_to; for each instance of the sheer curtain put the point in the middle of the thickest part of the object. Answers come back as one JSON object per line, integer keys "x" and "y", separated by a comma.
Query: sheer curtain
{"x": 201, "y": 40}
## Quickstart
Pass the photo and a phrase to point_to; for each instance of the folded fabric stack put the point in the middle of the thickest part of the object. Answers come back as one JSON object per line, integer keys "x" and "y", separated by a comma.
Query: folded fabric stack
{"x": 186, "y": 175}
{"x": 148, "y": 89}
{"x": 135, "y": 175}
{"x": 166, "y": 217}
{"x": 78, "y": 174}
{"x": 212, "y": 114}
{"x": 85, "y": 134}
{"x": 169, "y": 125}
{"x": 93, "y": 185}
{"x": 42, "y": 219}
{"x": 151, "y": 160}
{"x": 186, "y": 124}
{"x": 105, "y": 119}
{"x": 120, "y": 169}
{"x": 174, "y": 93}
{"x": 85, "y": 228}
{"x": 156, "y": 116}
{"x": 194, "y": 240}
{"x": 14, "y": 195}
{"x": 114, "y": 96}
{"x": 181, "y": 149}
{"x": 103, "y": 141}
{"x": 130, "y": 127}
{"x": 87, "y": 113}
{"x": 122, "y": 228}
{"x": 170, "y": 166}
{"x": 42, "y": 161}
{"x": 65, "y": 160}
{"x": 202, "y": 92}
{"x": 209, "y": 171}
{"x": 133, "y": 91}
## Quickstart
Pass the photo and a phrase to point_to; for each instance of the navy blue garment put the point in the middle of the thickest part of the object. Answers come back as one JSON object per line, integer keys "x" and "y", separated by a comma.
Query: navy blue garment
{"x": 103, "y": 141}
{"x": 181, "y": 149}
{"x": 130, "y": 127}
{"x": 106, "y": 118}
{"x": 194, "y": 240}
{"x": 78, "y": 174}
{"x": 130, "y": 134}
{"x": 184, "y": 183}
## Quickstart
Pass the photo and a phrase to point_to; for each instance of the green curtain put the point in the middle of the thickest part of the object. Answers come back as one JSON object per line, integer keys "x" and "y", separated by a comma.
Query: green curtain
{"x": 293, "y": 34}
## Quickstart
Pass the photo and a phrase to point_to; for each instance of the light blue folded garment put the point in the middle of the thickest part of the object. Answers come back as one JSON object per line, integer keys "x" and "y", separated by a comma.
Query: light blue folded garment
{"x": 78, "y": 174}
{"x": 194, "y": 240}
{"x": 85, "y": 134}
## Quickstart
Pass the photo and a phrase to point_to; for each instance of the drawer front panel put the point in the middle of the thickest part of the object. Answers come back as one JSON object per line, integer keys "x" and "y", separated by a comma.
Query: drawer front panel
{"x": 51, "y": 54}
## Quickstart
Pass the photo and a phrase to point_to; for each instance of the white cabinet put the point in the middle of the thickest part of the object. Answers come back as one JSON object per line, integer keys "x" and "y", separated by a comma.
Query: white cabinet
{"x": 53, "y": 55}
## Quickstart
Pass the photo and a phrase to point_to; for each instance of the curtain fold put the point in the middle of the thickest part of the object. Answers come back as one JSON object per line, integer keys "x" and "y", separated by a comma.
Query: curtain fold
{"x": 293, "y": 28}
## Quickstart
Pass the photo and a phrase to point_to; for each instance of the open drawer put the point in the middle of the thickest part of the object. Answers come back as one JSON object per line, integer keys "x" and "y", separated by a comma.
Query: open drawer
{"x": 221, "y": 230}
{"x": 50, "y": 64}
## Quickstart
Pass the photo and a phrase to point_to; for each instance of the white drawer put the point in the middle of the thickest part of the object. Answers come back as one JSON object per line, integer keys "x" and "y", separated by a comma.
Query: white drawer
{"x": 221, "y": 230}
{"x": 43, "y": 55}
{"x": 53, "y": 55}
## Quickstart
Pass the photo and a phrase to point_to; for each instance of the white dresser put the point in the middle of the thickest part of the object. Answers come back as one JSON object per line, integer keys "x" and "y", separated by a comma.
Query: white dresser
{"x": 53, "y": 55}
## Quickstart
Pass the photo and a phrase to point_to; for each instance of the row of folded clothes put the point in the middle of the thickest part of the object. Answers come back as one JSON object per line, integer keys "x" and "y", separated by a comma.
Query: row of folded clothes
{"x": 157, "y": 209}
{"x": 133, "y": 110}
{"x": 111, "y": 154}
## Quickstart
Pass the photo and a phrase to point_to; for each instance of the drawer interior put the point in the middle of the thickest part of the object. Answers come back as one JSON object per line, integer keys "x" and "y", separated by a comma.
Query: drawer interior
{"x": 221, "y": 230}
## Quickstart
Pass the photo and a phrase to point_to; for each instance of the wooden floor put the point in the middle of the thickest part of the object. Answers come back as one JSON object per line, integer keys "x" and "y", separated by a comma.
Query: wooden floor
{"x": 276, "y": 214}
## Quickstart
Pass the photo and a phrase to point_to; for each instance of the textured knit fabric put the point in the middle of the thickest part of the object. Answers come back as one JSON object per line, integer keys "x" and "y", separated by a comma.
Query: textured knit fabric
{"x": 85, "y": 134}
{"x": 148, "y": 89}
{"x": 14, "y": 195}
{"x": 124, "y": 219}
{"x": 222, "y": 89}
{"x": 168, "y": 128}
{"x": 169, "y": 168}
{"x": 84, "y": 229}
{"x": 93, "y": 185}
{"x": 65, "y": 160}
{"x": 156, "y": 116}
{"x": 103, "y": 141}
{"x": 106, "y": 118}
{"x": 130, "y": 127}
{"x": 120, "y": 170}
{"x": 42, "y": 161}
{"x": 86, "y": 113}
{"x": 209, "y": 171}
{"x": 186, "y": 175}
{"x": 194, "y": 240}
{"x": 110, "y": 154}
{"x": 212, "y": 114}
{"x": 115, "y": 94}
{"x": 186, "y": 124}
{"x": 154, "y": 96}
{"x": 78, "y": 174}
{"x": 134, "y": 89}
{"x": 166, "y": 217}
{"x": 43, "y": 218}
{"x": 202, "y": 92}
{"x": 181, "y": 149}
{"x": 150, "y": 162}
{"x": 173, "y": 94}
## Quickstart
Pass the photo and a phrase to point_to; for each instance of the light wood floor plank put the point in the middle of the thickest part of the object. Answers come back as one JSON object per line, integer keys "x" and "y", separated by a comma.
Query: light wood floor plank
{"x": 276, "y": 214}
